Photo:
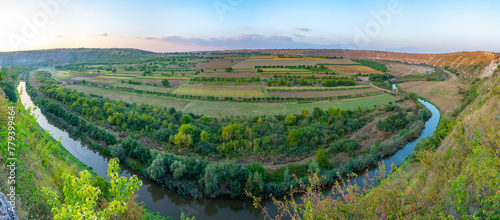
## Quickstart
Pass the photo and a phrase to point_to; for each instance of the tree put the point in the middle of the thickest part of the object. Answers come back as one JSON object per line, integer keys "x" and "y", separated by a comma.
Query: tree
{"x": 229, "y": 69}
{"x": 290, "y": 119}
{"x": 183, "y": 140}
{"x": 80, "y": 196}
{"x": 157, "y": 169}
{"x": 293, "y": 137}
{"x": 286, "y": 176}
{"x": 322, "y": 158}
{"x": 255, "y": 184}
{"x": 178, "y": 169}
{"x": 165, "y": 83}
{"x": 204, "y": 136}
{"x": 186, "y": 119}
{"x": 313, "y": 166}
{"x": 232, "y": 131}
{"x": 317, "y": 112}
{"x": 304, "y": 112}
{"x": 118, "y": 152}
{"x": 210, "y": 180}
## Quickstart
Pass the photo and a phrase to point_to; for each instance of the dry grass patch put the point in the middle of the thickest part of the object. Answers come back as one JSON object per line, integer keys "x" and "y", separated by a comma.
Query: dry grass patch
{"x": 218, "y": 64}
{"x": 353, "y": 69}
{"x": 442, "y": 94}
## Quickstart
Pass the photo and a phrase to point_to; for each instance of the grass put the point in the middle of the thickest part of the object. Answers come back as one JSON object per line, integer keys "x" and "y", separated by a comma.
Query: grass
{"x": 353, "y": 69}
{"x": 414, "y": 75}
{"x": 222, "y": 91}
{"x": 333, "y": 93}
{"x": 130, "y": 97}
{"x": 212, "y": 109}
{"x": 284, "y": 70}
{"x": 60, "y": 75}
{"x": 315, "y": 88}
{"x": 251, "y": 63}
{"x": 443, "y": 94}
{"x": 144, "y": 87}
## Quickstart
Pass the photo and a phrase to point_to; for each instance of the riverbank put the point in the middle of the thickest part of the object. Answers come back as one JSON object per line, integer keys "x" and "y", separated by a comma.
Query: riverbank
{"x": 238, "y": 202}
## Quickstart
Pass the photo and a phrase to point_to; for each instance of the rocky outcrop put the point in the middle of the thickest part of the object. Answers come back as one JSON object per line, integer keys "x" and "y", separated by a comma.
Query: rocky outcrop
{"x": 6, "y": 210}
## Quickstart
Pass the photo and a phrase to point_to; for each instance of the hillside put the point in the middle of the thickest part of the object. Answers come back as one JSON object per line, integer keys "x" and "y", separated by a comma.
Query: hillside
{"x": 452, "y": 175}
{"x": 467, "y": 62}
{"x": 66, "y": 56}
{"x": 464, "y": 62}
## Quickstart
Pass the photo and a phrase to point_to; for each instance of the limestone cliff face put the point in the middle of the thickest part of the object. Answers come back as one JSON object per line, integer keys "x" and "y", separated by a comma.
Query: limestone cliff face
{"x": 6, "y": 210}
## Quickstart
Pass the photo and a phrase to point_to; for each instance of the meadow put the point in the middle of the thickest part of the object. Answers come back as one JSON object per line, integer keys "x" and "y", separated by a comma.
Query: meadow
{"x": 212, "y": 109}
{"x": 353, "y": 69}
{"x": 221, "y": 91}
{"x": 251, "y": 63}
{"x": 131, "y": 97}
{"x": 332, "y": 93}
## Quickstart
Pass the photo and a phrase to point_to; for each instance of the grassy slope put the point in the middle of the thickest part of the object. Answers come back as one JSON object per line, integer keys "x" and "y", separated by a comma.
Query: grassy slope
{"x": 458, "y": 180}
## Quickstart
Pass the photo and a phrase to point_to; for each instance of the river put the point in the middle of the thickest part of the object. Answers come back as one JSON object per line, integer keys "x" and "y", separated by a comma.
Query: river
{"x": 167, "y": 203}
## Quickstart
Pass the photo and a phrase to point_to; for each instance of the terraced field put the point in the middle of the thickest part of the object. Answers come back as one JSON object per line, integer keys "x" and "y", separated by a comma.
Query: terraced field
{"x": 221, "y": 91}
{"x": 212, "y": 109}
{"x": 333, "y": 93}
{"x": 353, "y": 69}
{"x": 251, "y": 63}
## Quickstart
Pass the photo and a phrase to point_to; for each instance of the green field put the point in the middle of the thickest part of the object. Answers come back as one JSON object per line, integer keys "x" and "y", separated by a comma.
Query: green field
{"x": 221, "y": 91}
{"x": 130, "y": 97}
{"x": 60, "y": 75}
{"x": 212, "y": 108}
{"x": 144, "y": 87}
{"x": 316, "y": 88}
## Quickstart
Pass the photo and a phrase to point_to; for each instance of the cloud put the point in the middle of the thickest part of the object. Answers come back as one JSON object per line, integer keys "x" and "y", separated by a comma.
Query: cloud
{"x": 103, "y": 34}
{"x": 243, "y": 41}
{"x": 298, "y": 35}
{"x": 303, "y": 29}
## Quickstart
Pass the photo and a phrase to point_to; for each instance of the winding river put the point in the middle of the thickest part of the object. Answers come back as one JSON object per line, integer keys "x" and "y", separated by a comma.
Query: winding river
{"x": 167, "y": 203}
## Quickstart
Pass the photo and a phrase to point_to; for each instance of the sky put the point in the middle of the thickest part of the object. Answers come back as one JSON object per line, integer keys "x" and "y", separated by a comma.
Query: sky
{"x": 412, "y": 26}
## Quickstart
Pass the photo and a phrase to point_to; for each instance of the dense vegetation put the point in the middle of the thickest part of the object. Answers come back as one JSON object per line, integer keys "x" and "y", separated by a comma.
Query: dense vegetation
{"x": 451, "y": 175}
{"x": 374, "y": 65}
{"x": 305, "y": 132}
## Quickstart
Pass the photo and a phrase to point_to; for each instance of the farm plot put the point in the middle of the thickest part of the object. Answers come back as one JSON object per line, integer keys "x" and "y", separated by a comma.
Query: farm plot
{"x": 251, "y": 63}
{"x": 212, "y": 109}
{"x": 401, "y": 69}
{"x": 315, "y": 88}
{"x": 229, "y": 75}
{"x": 130, "y": 97}
{"x": 145, "y": 88}
{"x": 332, "y": 93}
{"x": 218, "y": 64}
{"x": 221, "y": 91}
{"x": 353, "y": 69}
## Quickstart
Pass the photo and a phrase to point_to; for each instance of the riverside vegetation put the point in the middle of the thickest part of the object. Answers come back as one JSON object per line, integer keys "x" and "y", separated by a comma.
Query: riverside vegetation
{"x": 462, "y": 155}
{"x": 190, "y": 142}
